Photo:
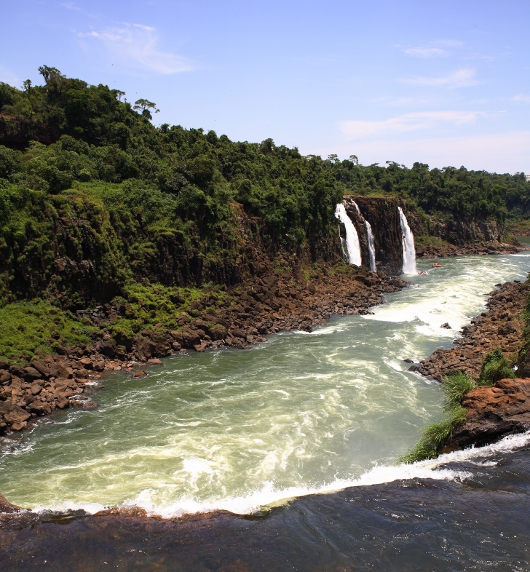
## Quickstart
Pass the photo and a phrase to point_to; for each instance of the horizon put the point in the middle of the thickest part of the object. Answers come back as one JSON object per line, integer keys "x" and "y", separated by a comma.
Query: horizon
{"x": 441, "y": 85}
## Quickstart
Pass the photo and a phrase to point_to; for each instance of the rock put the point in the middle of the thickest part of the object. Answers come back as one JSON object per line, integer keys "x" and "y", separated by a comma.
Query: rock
{"x": 41, "y": 367}
{"x": 86, "y": 363}
{"x": 30, "y": 373}
{"x": 139, "y": 373}
{"x": 189, "y": 338}
{"x": 144, "y": 348}
{"x": 5, "y": 377}
{"x": 14, "y": 415}
{"x": 7, "y": 507}
{"x": 506, "y": 329}
{"x": 154, "y": 361}
{"x": 494, "y": 412}
{"x": 446, "y": 326}
{"x": 107, "y": 348}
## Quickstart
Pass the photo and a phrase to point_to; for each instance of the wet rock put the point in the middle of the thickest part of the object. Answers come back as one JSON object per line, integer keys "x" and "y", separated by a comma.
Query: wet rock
{"x": 7, "y": 507}
{"x": 446, "y": 326}
{"x": 154, "y": 361}
{"x": 139, "y": 373}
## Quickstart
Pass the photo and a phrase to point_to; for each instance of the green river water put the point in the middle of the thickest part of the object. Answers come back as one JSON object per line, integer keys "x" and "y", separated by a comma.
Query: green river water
{"x": 242, "y": 429}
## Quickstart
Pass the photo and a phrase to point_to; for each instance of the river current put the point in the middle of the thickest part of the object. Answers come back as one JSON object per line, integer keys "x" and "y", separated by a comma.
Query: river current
{"x": 241, "y": 430}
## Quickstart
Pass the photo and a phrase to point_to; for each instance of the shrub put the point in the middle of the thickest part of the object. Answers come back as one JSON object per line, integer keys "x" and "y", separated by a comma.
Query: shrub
{"x": 495, "y": 367}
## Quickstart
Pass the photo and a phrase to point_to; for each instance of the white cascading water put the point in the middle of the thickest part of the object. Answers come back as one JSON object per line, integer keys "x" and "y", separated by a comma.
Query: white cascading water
{"x": 371, "y": 245}
{"x": 356, "y": 207}
{"x": 409, "y": 252}
{"x": 352, "y": 238}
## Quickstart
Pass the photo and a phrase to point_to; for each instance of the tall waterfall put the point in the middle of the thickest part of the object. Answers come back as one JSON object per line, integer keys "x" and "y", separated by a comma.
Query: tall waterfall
{"x": 352, "y": 238}
{"x": 409, "y": 252}
{"x": 371, "y": 245}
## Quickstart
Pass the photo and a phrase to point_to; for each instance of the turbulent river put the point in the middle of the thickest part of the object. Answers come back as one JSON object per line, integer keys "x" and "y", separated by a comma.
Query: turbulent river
{"x": 249, "y": 430}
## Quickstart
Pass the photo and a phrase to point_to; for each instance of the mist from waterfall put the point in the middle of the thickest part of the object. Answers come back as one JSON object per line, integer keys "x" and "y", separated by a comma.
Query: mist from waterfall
{"x": 409, "y": 252}
{"x": 352, "y": 238}
{"x": 371, "y": 245}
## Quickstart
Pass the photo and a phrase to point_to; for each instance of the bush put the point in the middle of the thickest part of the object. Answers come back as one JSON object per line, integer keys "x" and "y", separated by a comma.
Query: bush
{"x": 494, "y": 368}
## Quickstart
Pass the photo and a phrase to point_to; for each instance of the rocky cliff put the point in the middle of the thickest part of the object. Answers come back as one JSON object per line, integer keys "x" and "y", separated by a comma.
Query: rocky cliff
{"x": 434, "y": 236}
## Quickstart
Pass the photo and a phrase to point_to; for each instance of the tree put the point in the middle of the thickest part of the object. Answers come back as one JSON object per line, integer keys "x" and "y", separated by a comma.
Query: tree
{"x": 354, "y": 159}
{"x": 145, "y": 106}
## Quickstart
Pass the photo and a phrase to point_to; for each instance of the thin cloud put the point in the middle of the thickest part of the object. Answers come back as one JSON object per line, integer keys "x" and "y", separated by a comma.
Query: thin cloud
{"x": 71, "y": 6}
{"x": 522, "y": 97}
{"x": 135, "y": 45}
{"x": 426, "y": 52}
{"x": 357, "y": 129}
{"x": 458, "y": 78}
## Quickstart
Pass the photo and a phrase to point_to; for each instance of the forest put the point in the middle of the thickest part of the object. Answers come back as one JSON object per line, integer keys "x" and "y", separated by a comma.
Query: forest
{"x": 93, "y": 196}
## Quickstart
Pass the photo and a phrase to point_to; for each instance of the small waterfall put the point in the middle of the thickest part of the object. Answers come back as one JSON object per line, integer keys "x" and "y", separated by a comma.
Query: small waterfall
{"x": 356, "y": 207}
{"x": 371, "y": 245}
{"x": 352, "y": 238}
{"x": 409, "y": 252}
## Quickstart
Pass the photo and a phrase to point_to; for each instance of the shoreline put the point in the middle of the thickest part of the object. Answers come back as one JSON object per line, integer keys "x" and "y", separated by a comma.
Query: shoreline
{"x": 493, "y": 411}
{"x": 259, "y": 307}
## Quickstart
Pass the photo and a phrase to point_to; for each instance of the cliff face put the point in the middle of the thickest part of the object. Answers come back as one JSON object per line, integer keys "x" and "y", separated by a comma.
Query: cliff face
{"x": 383, "y": 216}
{"x": 433, "y": 236}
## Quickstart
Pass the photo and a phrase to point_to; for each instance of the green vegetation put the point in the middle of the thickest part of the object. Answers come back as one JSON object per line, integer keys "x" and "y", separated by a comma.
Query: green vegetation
{"x": 494, "y": 368}
{"x": 436, "y": 435}
{"x": 97, "y": 204}
{"x": 32, "y": 329}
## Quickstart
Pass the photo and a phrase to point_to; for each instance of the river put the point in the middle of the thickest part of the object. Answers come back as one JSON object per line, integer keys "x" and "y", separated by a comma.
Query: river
{"x": 248, "y": 431}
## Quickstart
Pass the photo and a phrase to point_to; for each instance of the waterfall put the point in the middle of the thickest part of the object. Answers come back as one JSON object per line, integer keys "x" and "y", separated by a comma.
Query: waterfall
{"x": 409, "y": 252}
{"x": 352, "y": 238}
{"x": 371, "y": 246}
{"x": 356, "y": 207}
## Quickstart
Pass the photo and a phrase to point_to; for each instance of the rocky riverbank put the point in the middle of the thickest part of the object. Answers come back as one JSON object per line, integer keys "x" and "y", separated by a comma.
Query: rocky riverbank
{"x": 504, "y": 408}
{"x": 272, "y": 303}
{"x": 445, "y": 250}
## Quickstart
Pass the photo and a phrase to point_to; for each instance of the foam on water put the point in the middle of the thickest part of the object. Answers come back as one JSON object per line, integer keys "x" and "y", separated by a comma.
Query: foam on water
{"x": 268, "y": 496}
{"x": 302, "y": 413}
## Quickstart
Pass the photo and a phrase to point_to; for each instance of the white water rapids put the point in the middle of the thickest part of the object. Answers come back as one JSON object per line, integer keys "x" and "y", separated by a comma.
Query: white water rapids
{"x": 304, "y": 412}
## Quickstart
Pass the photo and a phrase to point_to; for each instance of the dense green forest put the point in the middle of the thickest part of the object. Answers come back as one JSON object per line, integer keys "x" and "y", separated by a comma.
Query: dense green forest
{"x": 89, "y": 186}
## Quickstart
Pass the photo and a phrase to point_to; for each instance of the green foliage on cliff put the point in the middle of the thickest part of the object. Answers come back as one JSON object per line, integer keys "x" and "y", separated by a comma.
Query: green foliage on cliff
{"x": 494, "y": 368}
{"x": 36, "y": 328}
{"x": 93, "y": 196}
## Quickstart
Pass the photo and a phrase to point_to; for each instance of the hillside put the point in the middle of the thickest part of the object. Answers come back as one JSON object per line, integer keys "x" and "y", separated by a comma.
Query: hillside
{"x": 97, "y": 205}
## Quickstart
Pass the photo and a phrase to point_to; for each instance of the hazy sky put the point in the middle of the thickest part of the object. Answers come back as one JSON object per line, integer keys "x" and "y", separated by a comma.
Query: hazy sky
{"x": 444, "y": 83}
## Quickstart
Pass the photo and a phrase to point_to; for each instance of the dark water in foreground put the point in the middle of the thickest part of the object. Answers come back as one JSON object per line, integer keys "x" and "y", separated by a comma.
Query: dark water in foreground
{"x": 479, "y": 523}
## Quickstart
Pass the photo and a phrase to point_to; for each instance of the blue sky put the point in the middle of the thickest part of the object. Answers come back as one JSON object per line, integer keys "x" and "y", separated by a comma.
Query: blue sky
{"x": 444, "y": 83}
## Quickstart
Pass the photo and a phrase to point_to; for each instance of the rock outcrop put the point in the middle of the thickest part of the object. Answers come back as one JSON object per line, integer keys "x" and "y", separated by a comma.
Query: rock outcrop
{"x": 493, "y": 412}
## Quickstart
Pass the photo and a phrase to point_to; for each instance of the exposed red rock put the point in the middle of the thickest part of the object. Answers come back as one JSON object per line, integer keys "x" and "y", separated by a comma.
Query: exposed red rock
{"x": 493, "y": 412}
